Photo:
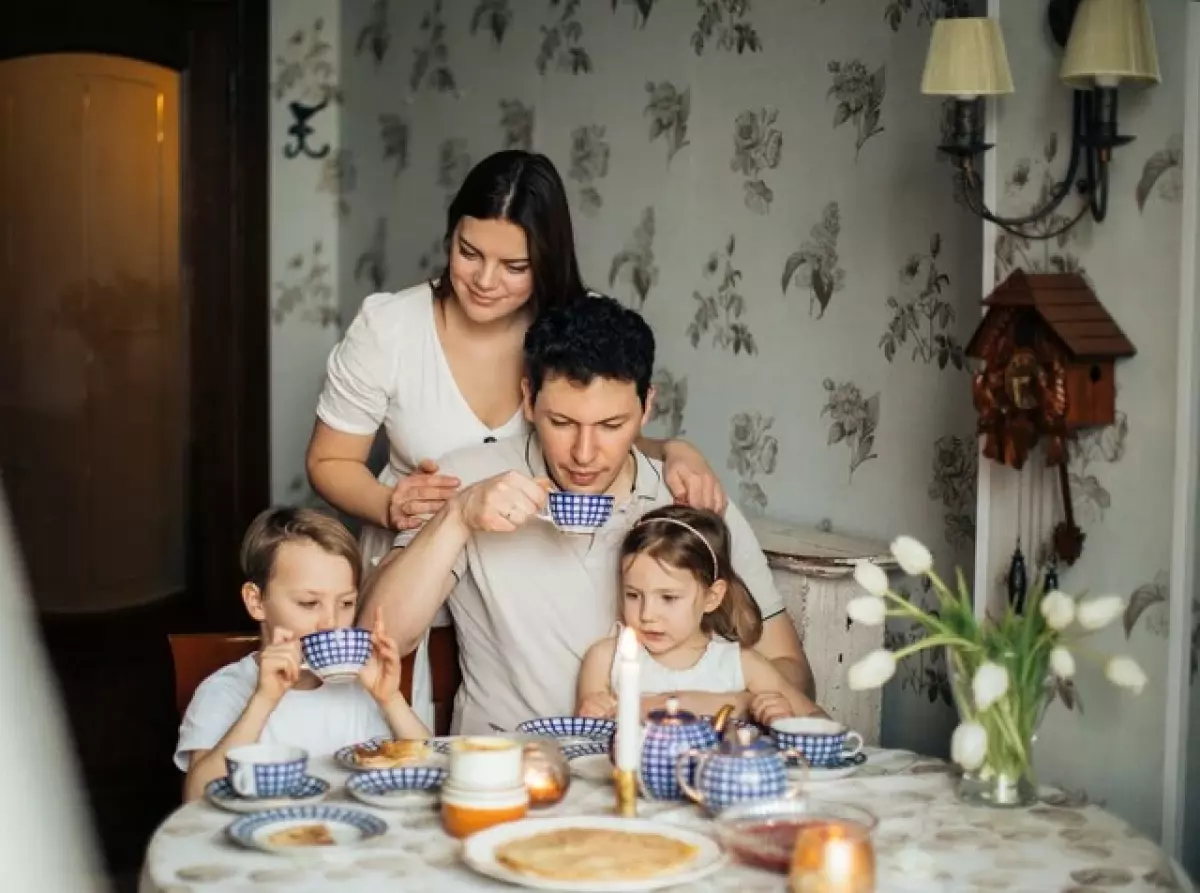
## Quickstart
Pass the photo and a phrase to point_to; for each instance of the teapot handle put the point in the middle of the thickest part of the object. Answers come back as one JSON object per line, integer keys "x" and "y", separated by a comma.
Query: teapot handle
{"x": 684, "y": 761}
{"x": 796, "y": 787}
{"x": 721, "y": 720}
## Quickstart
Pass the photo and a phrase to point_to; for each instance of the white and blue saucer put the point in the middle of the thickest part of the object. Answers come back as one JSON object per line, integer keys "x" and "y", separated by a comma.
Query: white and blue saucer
{"x": 843, "y": 768}
{"x": 345, "y": 756}
{"x": 220, "y": 793}
{"x": 585, "y": 734}
{"x": 400, "y": 788}
{"x": 347, "y": 826}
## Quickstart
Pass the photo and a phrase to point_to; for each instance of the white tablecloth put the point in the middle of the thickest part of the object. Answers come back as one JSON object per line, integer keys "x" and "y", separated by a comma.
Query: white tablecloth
{"x": 926, "y": 841}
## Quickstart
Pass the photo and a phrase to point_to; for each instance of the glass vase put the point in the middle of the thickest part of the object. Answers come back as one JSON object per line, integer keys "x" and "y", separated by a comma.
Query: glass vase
{"x": 1006, "y": 777}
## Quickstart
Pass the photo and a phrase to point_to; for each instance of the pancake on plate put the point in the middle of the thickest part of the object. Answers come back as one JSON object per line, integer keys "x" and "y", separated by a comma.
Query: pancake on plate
{"x": 389, "y": 754}
{"x": 595, "y": 854}
{"x": 302, "y": 835}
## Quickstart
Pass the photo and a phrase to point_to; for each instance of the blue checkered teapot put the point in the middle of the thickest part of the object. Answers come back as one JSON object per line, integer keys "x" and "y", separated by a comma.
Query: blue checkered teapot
{"x": 741, "y": 767}
{"x": 668, "y": 734}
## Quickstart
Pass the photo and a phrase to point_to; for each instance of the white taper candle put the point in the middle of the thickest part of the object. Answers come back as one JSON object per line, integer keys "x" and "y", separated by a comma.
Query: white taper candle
{"x": 629, "y": 701}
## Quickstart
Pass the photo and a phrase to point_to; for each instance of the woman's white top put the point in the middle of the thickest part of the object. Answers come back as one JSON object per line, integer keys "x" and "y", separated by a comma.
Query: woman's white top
{"x": 719, "y": 669}
{"x": 390, "y": 370}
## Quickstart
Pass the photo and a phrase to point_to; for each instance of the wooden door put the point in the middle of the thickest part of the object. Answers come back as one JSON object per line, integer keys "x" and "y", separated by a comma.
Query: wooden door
{"x": 93, "y": 377}
{"x": 107, "y": 637}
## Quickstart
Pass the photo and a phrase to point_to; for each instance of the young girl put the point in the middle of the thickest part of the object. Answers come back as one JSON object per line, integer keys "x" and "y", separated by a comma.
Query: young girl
{"x": 694, "y": 617}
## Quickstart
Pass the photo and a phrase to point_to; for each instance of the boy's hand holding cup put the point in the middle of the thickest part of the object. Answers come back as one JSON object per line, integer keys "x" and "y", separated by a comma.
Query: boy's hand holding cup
{"x": 279, "y": 665}
{"x": 380, "y": 675}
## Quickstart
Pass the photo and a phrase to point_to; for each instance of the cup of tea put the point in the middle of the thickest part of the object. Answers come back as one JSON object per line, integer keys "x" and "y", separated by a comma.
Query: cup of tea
{"x": 337, "y": 655}
{"x": 823, "y": 742}
{"x": 485, "y": 786}
{"x": 486, "y": 763}
{"x": 266, "y": 770}
{"x": 577, "y": 512}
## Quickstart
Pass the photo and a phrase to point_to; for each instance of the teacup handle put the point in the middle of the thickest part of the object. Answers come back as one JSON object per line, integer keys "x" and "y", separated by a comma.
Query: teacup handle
{"x": 243, "y": 780}
{"x": 544, "y": 515}
{"x": 796, "y": 787}
{"x": 684, "y": 761}
{"x": 852, "y": 750}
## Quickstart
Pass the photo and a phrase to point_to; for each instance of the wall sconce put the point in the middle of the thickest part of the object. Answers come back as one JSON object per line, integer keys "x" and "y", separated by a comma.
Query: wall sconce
{"x": 1106, "y": 42}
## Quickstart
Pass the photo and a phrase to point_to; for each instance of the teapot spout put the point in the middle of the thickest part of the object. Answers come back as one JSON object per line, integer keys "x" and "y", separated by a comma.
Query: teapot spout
{"x": 722, "y": 719}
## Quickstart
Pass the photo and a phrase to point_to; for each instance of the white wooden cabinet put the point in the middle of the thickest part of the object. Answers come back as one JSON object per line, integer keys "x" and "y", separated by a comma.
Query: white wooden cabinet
{"x": 814, "y": 573}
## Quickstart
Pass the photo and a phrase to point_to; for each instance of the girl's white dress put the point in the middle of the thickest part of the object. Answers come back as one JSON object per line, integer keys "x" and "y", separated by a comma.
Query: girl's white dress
{"x": 719, "y": 669}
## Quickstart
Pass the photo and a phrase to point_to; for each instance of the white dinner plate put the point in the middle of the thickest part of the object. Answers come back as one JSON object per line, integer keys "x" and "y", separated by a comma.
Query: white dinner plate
{"x": 479, "y": 853}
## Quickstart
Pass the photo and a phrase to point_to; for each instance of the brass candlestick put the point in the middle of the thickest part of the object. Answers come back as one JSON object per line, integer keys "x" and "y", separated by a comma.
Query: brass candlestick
{"x": 625, "y": 781}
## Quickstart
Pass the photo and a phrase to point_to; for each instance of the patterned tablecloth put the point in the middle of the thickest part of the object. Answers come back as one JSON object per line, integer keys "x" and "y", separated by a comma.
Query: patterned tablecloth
{"x": 926, "y": 841}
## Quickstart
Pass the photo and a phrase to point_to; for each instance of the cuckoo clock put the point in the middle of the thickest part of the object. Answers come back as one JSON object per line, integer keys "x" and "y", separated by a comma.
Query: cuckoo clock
{"x": 1047, "y": 352}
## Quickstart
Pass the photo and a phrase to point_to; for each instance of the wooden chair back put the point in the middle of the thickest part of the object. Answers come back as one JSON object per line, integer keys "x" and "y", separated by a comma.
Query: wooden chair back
{"x": 198, "y": 655}
{"x": 446, "y": 675}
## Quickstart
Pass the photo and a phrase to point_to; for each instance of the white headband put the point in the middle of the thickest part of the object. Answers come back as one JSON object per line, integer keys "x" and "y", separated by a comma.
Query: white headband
{"x": 686, "y": 526}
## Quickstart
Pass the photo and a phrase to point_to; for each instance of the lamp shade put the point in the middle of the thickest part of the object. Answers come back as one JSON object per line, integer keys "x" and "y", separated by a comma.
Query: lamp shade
{"x": 966, "y": 59}
{"x": 1111, "y": 41}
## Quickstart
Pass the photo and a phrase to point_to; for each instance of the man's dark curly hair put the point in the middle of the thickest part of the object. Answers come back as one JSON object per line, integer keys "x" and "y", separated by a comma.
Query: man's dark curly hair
{"x": 592, "y": 338}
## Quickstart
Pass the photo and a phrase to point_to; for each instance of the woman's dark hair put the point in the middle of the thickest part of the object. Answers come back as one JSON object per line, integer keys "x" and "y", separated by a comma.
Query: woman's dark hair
{"x": 522, "y": 188}
{"x": 688, "y": 539}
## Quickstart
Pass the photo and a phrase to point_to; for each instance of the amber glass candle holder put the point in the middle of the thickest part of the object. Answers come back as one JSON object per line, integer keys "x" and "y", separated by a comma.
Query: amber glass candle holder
{"x": 832, "y": 856}
{"x": 546, "y": 771}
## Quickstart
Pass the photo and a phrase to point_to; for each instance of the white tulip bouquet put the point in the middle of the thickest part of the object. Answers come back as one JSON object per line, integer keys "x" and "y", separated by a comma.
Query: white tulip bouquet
{"x": 1003, "y": 672}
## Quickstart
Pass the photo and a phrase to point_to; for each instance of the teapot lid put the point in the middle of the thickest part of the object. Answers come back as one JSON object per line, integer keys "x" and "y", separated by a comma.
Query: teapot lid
{"x": 671, "y": 715}
{"x": 744, "y": 741}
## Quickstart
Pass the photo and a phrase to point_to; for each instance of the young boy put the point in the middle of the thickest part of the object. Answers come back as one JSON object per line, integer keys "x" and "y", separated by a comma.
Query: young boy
{"x": 302, "y": 571}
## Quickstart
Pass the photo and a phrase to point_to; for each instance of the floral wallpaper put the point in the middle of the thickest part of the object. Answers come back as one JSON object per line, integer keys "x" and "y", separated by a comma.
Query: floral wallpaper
{"x": 739, "y": 170}
{"x": 313, "y": 184}
{"x": 815, "y": 263}
{"x": 1120, "y": 476}
{"x": 720, "y": 311}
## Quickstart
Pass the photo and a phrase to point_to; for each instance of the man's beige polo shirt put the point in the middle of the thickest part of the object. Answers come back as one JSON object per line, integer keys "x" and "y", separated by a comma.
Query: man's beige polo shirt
{"x": 527, "y": 605}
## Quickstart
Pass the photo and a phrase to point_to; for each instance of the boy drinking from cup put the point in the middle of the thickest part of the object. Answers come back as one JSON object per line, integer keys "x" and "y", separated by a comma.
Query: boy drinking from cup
{"x": 302, "y": 570}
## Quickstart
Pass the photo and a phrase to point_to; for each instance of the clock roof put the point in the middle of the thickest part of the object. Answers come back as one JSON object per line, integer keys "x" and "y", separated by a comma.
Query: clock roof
{"x": 1068, "y": 307}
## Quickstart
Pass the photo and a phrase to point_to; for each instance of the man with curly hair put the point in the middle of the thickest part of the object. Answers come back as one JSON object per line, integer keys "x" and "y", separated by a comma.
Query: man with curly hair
{"x": 528, "y": 599}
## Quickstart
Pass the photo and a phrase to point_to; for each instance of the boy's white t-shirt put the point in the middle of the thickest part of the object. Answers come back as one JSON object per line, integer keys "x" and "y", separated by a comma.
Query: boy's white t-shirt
{"x": 321, "y": 720}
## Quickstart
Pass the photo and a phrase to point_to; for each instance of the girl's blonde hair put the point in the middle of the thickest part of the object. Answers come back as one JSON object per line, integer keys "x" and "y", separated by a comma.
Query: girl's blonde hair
{"x": 697, "y": 541}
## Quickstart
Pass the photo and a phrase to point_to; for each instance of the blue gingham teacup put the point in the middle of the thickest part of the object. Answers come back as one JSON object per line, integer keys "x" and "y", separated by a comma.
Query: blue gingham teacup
{"x": 822, "y": 741}
{"x": 266, "y": 770}
{"x": 336, "y": 655}
{"x": 577, "y": 512}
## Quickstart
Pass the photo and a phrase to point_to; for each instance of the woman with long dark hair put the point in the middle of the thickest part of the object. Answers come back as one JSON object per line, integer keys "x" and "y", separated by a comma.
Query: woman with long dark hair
{"x": 438, "y": 365}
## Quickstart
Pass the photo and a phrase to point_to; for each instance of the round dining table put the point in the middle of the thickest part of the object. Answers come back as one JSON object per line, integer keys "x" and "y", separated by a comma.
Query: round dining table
{"x": 926, "y": 840}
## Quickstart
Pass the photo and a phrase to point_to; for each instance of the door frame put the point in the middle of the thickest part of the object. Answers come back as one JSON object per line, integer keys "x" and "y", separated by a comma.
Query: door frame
{"x": 227, "y": 249}
{"x": 222, "y": 49}
{"x": 1185, "y": 533}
